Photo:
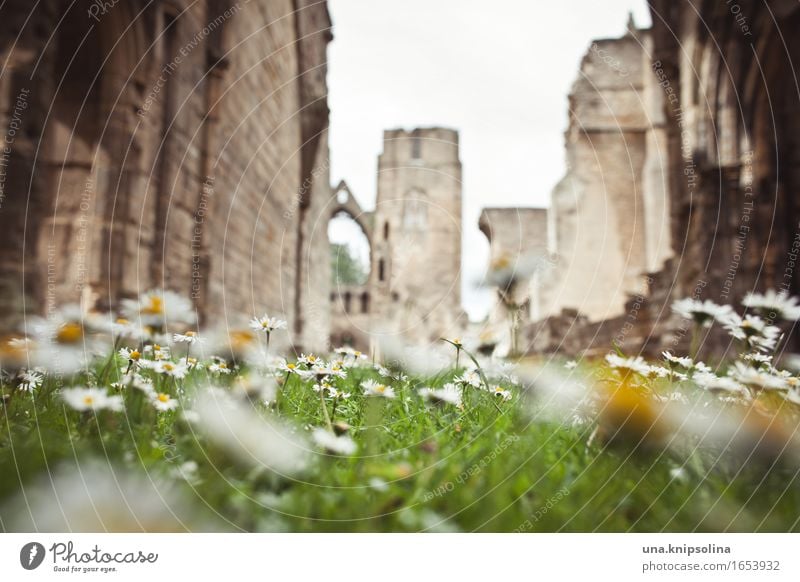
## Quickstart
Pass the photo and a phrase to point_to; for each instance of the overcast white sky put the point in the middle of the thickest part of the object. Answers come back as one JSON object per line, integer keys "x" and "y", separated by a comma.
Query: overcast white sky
{"x": 498, "y": 71}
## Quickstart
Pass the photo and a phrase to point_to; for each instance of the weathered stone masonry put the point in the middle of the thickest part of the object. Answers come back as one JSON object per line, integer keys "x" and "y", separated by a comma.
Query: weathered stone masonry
{"x": 177, "y": 144}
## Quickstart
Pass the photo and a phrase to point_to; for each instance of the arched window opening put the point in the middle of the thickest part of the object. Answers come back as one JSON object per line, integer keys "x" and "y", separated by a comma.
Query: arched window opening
{"x": 386, "y": 230}
{"x": 365, "y": 302}
{"x": 381, "y": 270}
{"x": 350, "y": 252}
{"x": 348, "y": 299}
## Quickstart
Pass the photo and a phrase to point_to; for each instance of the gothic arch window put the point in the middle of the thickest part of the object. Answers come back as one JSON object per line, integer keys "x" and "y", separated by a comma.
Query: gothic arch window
{"x": 381, "y": 270}
{"x": 385, "y": 231}
{"x": 416, "y": 148}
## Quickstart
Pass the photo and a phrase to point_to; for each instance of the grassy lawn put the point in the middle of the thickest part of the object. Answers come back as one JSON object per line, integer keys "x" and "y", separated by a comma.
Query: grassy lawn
{"x": 412, "y": 464}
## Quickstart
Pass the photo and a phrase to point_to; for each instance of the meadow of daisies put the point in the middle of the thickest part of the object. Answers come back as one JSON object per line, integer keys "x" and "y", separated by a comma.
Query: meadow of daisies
{"x": 140, "y": 421}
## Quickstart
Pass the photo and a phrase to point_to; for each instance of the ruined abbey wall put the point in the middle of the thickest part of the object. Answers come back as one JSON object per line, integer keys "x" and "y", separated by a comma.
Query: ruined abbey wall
{"x": 609, "y": 214}
{"x": 170, "y": 144}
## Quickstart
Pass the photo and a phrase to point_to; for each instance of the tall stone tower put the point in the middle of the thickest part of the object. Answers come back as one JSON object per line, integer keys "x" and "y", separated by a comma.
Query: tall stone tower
{"x": 416, "y": 254}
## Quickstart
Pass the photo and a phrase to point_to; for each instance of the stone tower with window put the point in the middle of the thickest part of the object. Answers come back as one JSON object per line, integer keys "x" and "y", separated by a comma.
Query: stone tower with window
{"x": 416, "y": 250}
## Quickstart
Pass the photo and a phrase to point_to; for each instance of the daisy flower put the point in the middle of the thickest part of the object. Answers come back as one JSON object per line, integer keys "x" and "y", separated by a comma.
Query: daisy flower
{"x": 14, "y": 352}
{"x": 308, "y": 360}
{"x": 506, "y": 271}
{"x": 156, "y": 351}
{"x": 30, "y": 380}
{"x": 774, "y": 305}
{"x": 469, "y": 378}
{"x": 502, "y": 393}
{"x": 337, "y": 445}
{"x": 448, "y": 394}
{"x": 792, "y": 396}
{"x": 372, "y": 388}
{"x": 635, "y": 365}
{"x": 329, "y": 370}
{"x": 753, "y": 330}
{"x": 171, "y": 369}
{"x": 164, "y": 402}
{"x": 134, "y": 380}
{"x": 253, "y": 439}
{"x": 679, "y": 360}
{"x": 757, "y": 379}
{"x": 83, "y": 399}
{"x": 385, "y": 372}
{"x": 267, "y": 324}
{"x": 188, "y": 337}
{"x": 154, "y": 308}
{"x": 286, "y": 366}
{"x": 331, "y": 391}
{"x": 65, "y": 341}
{"x": 714, "y": 383}
{"x": 98, "y": 496}
{"x": 757, "y": 359}
{"x": 130, "y": 355}
{"x": 662, "y": 372}
{"x": 219, "y": 367}
{"x": 702, "y": 312}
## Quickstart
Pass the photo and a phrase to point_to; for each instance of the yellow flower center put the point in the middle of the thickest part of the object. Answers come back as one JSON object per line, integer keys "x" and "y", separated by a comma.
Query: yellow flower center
{"x": 241, "y": 339}
{"x": 156, "y": 348}
{"x": 88, "y": 400}
{"x": 163, "y": 397}
{"x": 190, "y": 334}
{"x": 169, "y": 367}
{"x": 502, "y": 262}
{"x": 380, "y": 388}
{"x": 135, "y": 355}
{"x": 223, "y": 365}
{"x": 69, "y": 333}
{"x": 155, "y": 306}
{"x": 291, "y": 366}
{"x": 122, "y": 321}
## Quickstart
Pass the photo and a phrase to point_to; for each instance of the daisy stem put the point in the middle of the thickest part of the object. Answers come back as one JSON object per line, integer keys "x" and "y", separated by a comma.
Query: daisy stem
{"x": 325, "y": 410}
{"x": 695, "y": 343}
{"x": 188, "y": 349}
{"x": 458, "y": 354}
{"x": 110, "y": 359}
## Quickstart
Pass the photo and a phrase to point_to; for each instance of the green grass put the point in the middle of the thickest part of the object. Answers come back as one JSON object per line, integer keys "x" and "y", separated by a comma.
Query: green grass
{"x": 489, "y": 467}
